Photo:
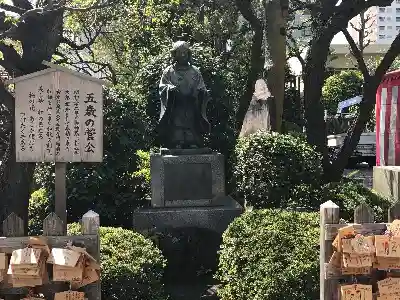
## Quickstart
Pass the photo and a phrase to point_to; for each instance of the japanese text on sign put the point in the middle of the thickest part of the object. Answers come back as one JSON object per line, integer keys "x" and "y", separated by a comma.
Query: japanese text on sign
{"x": 59, "y": 122}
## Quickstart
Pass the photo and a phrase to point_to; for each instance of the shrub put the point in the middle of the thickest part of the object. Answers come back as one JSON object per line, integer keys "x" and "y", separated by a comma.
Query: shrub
{"x": 270, "y": 254}
{"x": 39, "y": 208}
{"x": 270, "y": 167}
{"x": 348, "y": 194}
{"x": 143, "y": 173}
{"x": 131, "y": 266}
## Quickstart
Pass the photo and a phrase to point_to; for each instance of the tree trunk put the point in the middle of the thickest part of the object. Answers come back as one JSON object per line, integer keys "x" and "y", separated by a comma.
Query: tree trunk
{"x": 276, "y": 57}
{"x": 40, "y": 36}
{"x": 16, "y": 192}
{"x": 256, "y": 61}
{"x": 313, "y": 108}
{"x": 354, "y": 133}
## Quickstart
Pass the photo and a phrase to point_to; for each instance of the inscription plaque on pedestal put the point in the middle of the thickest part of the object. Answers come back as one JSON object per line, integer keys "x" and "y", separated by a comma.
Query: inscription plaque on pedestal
{"x": 192, "y": 181}
{"x": 186, "y": 180}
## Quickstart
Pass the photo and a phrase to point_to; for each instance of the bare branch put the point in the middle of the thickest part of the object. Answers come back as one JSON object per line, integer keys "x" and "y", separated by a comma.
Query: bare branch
{"x": 348, "y": 9}
{"x": 74, "y": 46}
{"x": 357, "y": 54}
{"x": 296, "y": 50}
{"x": 355, "y": 27}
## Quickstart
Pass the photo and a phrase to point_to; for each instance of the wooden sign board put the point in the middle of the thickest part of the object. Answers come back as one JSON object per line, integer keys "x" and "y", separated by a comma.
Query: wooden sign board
{"x": 58, "y": 116}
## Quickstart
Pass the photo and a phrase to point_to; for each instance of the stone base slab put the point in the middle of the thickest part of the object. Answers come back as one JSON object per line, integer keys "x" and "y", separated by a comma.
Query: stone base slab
{"x": 386, "y": 181}
{"x": 215, "y": 218}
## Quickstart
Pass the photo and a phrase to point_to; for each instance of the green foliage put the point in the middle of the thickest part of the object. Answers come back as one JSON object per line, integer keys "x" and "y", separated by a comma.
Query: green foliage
{"x": 131, "y": 266}
{"x": 273, "y": 170}
{"x": 109, "y": 188}
{"x": 340, "y": 87}
{"x": 143, "y": 173}
{"x": 348, "y": 194}
{"x": 143, "y": 165}
{"x": 140, "y": 30}
{"x": 270, "y": 254}
{"x": 39, "y": 208}
{"x": 374, "y": 61}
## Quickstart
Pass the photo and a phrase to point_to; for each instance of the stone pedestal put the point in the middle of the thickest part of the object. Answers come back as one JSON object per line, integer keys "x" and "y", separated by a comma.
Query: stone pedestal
{"x": 214, "y": 218}
{"x": 188, "y": 190}
{"x": 386, "y": 181}
{"x": 186, "y": 180}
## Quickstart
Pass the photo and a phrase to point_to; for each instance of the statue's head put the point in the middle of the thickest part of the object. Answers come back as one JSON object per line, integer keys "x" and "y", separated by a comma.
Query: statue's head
{"x": 181, "y": 52}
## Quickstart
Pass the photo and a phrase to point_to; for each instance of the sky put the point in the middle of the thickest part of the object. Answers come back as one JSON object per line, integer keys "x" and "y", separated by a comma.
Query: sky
{"x": 339, "y": 39}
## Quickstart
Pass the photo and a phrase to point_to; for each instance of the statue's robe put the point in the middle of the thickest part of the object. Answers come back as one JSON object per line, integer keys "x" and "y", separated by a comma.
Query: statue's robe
{"x": 183, "y": 118}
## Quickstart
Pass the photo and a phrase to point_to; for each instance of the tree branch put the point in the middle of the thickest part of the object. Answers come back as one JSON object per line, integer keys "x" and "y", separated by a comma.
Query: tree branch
{"x": 357, "y": 54}
{"x": 389, "y": 57}
{"x": 7, "y": 99}
{"x": 12, "y": 8}
{"x": 75, "y": 46}
{"x": 246, "y": 9}
{"x": 256, "y": 64}
{"x": 10, "y": 60}
{"x": 22, "y": 4}
{"x": 27, "y": 11}
{"x": 296, "y": 51}
{"x": 371, "y": 84}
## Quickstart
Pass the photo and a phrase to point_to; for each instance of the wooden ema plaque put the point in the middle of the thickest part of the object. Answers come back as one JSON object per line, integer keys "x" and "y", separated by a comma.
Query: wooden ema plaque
{"x": 389, "y": 286}
{"x": 359, "y": 245}
{"x": 28, "y": 267}
{"x": 69, "y": 295}
{"x": 68, "y": 264}
{"x": 356, "y": 292}
{"x": 387, "y": 246}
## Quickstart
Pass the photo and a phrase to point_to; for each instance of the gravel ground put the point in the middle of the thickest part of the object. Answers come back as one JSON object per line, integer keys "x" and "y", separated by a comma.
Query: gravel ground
{"x": 362, "y": 172}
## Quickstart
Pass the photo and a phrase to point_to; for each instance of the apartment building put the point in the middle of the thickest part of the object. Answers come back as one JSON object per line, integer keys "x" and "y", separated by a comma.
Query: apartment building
{"x": 387, "y": 23}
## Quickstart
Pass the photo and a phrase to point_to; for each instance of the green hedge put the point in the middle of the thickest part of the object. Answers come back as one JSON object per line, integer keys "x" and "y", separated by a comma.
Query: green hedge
{"x": 39, "y": 208}
{"x": 272, "y": 170}
{"x": 348, "y": 194}
{"x": 270, "y": 254}
{"x": 131, "y": 266}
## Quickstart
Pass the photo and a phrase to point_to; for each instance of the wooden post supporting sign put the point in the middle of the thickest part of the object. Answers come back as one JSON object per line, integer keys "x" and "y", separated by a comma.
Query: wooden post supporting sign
{"x": 61, "y": 193}
{"x": 59, "y": 119}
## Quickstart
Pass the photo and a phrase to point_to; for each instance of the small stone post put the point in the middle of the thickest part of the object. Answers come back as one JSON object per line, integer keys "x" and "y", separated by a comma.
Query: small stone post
{"x": 329, "y": 214}
{"x": 91, "y": 226}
